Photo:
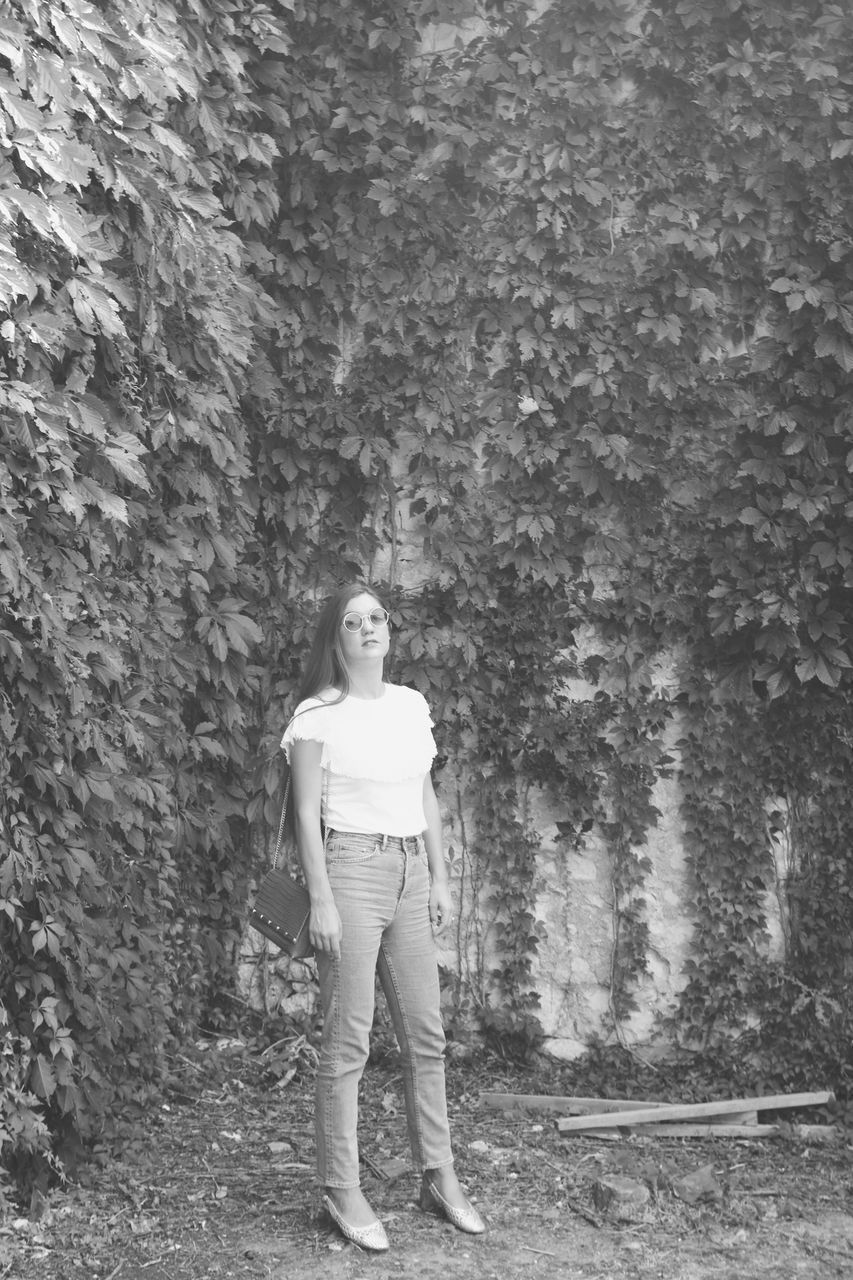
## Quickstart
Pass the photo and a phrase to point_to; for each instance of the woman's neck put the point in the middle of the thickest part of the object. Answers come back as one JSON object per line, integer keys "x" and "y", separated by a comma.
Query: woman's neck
{"x": 367, "y": 685}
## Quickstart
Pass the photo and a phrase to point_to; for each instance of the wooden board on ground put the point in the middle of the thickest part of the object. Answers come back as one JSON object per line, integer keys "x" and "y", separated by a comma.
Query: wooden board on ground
{"x": 692, "y": 1111}
{"x": 737, "y": 1117}
{"x": 814, "y": 1132}
{"x": 566, "y": 1106}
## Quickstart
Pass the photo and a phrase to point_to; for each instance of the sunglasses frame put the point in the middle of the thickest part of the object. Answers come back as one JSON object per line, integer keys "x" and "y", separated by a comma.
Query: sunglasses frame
{"x": 363, "y": 617}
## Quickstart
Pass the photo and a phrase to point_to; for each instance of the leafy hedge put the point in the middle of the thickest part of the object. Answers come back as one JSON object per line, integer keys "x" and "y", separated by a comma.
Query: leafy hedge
{"x": 566, "y": 301}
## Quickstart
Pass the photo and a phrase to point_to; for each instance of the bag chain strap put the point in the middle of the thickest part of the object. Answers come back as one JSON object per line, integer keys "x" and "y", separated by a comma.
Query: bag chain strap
{"x": 280, "y": 837}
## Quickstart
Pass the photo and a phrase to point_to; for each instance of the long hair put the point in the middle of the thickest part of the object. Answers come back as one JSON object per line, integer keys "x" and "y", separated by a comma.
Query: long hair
{"x": 325, "y": 667}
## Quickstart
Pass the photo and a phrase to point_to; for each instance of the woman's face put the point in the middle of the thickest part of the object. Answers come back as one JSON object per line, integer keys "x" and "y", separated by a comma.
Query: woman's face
{"x": 371, "y": 641}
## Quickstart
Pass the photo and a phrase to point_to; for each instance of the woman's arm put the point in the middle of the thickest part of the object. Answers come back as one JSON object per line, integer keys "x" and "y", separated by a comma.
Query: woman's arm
{"x": 440, "y": 901}
{"x": 324, "y": 925}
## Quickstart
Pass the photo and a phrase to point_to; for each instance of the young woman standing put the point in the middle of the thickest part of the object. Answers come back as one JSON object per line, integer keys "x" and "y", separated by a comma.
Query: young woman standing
{"x": 368, "y": 831}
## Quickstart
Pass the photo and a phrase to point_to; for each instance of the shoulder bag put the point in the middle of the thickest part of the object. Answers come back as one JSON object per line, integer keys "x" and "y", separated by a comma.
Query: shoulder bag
{"x": 281, "y": 906}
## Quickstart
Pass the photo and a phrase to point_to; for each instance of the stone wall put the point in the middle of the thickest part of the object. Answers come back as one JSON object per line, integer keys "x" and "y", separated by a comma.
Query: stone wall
{"x": 577, "y": 908}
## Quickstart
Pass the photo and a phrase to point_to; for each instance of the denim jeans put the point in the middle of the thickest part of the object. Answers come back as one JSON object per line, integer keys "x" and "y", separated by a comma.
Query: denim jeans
{"x": 381, "y": 889}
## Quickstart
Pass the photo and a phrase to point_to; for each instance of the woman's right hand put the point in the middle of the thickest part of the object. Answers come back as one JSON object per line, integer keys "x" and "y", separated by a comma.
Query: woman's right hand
{"x": 324, "y": 927}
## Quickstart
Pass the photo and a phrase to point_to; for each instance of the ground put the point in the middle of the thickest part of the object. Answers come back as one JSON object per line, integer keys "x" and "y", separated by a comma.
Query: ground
{"x": 216, "y": 1182}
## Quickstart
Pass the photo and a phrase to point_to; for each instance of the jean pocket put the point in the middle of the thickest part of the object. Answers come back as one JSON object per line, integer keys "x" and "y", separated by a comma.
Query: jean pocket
{"x": 341, "y": 851}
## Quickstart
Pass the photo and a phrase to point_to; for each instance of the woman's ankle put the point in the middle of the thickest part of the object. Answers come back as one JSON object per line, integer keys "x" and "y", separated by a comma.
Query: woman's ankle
{"x": 444, "y": 1180}
{"x": 352, "y": 1203}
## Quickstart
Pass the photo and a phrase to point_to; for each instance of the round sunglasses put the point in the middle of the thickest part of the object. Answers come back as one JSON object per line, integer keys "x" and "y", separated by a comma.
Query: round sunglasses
{"x": 355, "y": 621}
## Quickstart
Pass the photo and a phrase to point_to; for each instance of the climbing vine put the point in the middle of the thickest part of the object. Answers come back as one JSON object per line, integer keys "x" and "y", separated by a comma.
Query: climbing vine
{"x": 763, "y": 795}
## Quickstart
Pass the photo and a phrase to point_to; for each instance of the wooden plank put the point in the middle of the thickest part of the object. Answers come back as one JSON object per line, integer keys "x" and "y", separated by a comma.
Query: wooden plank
{"x": 816, "y": 1132}
{"x": 696, "y": 1110}
{"x": 676, "y": 1130}
{"x": 567, "y": 1106}
{"x": 737, "y": 1117}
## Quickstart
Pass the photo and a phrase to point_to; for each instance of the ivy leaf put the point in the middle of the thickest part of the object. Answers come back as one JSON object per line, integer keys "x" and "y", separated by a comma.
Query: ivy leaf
{"x": 123, "y": 454}
{"x": 43, "y": 1078}
{"x": 112, "y": 506}
{"x": 15, "y": 280}
{"x": 814, "y": 666}
{"x": 95, "y": 309}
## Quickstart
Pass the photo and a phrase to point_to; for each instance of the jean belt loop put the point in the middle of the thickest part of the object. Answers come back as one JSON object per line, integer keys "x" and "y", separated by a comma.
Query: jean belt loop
{"x": 384, "y": 842}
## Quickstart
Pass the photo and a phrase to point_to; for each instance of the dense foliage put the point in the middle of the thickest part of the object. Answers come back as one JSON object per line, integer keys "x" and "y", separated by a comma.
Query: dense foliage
{"x": 544, "y": 324}
{"x": 130, "y": 328}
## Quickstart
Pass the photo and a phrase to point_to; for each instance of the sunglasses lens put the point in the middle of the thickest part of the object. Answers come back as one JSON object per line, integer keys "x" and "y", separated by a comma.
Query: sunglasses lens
{"x": 352, "y": 622}
{"x": 378, "y": 618}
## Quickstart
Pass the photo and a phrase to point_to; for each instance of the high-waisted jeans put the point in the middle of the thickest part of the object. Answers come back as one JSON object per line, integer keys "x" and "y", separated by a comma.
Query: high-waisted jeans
{"x": 381, "y": 889}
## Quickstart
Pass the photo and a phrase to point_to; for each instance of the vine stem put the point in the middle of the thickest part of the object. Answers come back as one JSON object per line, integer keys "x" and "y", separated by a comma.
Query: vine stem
{"x": 618, "y": 1029}
{"x": 478, "y": 933}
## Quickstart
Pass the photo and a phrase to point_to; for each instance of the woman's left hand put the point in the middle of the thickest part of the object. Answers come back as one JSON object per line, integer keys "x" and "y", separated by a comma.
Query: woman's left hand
{"x": 440, "y": 906}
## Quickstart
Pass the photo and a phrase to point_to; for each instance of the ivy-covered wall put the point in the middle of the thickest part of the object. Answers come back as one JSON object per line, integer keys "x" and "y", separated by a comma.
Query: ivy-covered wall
{"x": 546, "y": 326}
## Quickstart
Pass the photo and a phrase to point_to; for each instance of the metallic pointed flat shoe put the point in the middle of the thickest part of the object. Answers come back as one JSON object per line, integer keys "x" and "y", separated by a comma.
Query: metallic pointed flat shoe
{"x": 467, "y": 1219}
{"x": 371, "y": 1237}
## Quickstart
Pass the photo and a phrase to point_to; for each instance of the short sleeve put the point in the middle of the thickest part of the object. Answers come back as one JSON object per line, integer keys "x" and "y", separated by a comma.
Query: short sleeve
{"x": 420, "y": 721}
{"x": 309, "y": 723}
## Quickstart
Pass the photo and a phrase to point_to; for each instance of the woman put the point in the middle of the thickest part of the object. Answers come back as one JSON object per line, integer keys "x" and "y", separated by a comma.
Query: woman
{"x": 360, "y": 752}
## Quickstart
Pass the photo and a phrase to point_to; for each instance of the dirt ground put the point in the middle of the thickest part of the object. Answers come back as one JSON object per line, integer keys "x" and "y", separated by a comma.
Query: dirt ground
{"x": 217, "y": 1182}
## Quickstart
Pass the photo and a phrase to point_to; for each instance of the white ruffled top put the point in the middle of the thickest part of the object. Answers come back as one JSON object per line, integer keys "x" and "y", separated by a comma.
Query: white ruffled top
{"x": 375, "y": 756}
